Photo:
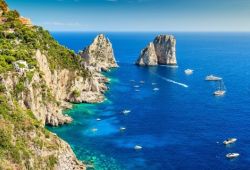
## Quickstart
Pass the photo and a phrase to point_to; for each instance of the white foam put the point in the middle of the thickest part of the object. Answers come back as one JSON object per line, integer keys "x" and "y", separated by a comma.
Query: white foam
{"x": 171, "y": 81}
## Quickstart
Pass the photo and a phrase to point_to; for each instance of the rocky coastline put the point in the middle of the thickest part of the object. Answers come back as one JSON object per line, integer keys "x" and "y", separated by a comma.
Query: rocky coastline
{"x": 39, "y": 79}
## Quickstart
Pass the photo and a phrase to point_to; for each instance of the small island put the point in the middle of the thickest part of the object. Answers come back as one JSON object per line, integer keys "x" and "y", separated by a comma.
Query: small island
{"x": 162, "y": 51}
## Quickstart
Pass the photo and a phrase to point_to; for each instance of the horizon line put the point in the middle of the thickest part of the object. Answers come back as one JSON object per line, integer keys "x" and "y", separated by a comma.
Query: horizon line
{"x": 136, "y": 31}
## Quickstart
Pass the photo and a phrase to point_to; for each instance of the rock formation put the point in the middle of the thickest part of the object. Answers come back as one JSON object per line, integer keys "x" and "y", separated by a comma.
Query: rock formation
{"x": 61, "y": 85}
{"x": 160, "y": 52}
{"x": 99, "y": 54}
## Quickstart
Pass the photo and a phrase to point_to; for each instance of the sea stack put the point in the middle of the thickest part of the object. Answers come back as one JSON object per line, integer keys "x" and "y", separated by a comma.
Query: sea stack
{"x": 162, "y": 51}
{"x": 100, "y": 54}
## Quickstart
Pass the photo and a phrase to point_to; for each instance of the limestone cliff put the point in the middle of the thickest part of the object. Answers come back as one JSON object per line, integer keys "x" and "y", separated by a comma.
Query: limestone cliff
{"x": 100, "y": 54}
{"x": 162, "y": 51}
{"x": 39, "y": 78}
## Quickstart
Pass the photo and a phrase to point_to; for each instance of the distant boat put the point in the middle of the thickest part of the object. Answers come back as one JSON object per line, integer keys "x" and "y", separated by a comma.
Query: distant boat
{"x": 122, "y": 128}
{"x": 94, "y": 129}
{"x": 188, "y": 71}
{"x": 98, "y": 119}
{"x": 126, "y": 112}
{"x": 136, "y": 86}
{"x": 230, "y": 141}
{"x": 154, "y": 84}
{"x": 156, "y": 89}
{"x": 213, "y": 78}
{"x": 221, "y": 89}
{"x": 137, "y": 147}
{"x": 232, "y": 155}
{"x": 142, "y": 82}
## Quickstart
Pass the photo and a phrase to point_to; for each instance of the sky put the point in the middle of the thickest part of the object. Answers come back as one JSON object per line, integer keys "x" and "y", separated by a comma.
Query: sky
{"x": 137, "y": 15}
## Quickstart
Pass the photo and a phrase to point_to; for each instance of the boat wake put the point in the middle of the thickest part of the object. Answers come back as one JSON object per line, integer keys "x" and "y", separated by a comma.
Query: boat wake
{"x": 171, "y": 81}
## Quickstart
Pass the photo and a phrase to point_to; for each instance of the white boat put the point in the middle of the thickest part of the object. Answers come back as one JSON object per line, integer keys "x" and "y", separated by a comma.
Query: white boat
{"x": 137, "y": 90}
{"x": 94, "y": 129}
{"x": 136, "y": 86}
{"x": 142, "y": 82}
{"x": 221, "y": 89}
{"x": 232, "y": 155}
{"x": 156, "y": 89}
{"x": 188, "y": 71}
{"x": 230, "y": 141}
{"x": 213, "y": 78}
{"x": 98, "y": 119}
{"x": 126, "y": 112}
{"x": 137, "y": 147}
{"x": 219, "y": 92}
{"x": 122, "y": 128}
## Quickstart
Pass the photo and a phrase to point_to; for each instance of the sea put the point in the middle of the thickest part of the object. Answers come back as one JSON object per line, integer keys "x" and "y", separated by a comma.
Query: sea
{"x": 174, "y": 117}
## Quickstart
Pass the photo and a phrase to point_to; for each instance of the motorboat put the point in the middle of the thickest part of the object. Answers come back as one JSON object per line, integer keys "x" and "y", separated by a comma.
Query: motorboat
{"x": 230, "y": 141}
{"x": 232, "y": 155}
{"x": 156, "y": 89}
{"x": 136, "y": 86}
{"x": 188, "y": 71}
{"x": 98, "y": 119}
{"x": 138, "y": 147}
{"x": 213, "y": 78}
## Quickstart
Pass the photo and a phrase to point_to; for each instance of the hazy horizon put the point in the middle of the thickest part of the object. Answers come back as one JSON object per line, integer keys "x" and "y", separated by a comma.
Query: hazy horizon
{"x": 137, "y": 15}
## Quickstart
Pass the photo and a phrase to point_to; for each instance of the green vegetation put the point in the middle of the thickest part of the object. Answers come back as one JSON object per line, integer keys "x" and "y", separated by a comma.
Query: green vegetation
{"x": 20, "y": 42}
{"x": 21, "y": 134}
{"x": 76, "y": 93}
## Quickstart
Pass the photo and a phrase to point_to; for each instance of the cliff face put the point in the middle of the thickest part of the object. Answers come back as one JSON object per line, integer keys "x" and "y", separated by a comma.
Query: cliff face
{"x": 161, "y": 51}
{"x": 100, "y": 54}
{"x": 46, "y": 92}
{"x": 39, "y": 78}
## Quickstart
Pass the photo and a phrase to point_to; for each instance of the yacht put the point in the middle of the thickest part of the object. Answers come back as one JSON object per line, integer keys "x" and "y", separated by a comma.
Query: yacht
{"x": 232, "y": 155}
{"x": 213, "y": 78}
{"x": 137, "y": 147}
{"x": 230, "y": 141}
{"x": 188, "y": 71}
{"x": 221, "y": 89}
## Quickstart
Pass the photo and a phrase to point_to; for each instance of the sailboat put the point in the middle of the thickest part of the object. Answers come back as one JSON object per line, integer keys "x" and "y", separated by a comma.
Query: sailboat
{"x": 221, "y": 89}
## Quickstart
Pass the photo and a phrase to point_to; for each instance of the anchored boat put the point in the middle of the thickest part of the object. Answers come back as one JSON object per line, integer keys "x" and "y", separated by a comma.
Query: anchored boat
{"x": 188, "y": 71}
{"x": 221, "y": 89}
{"x": 230, "y": 141}
{"x": 126, "y": 112}
{"x": 213, "y": 78}
{"x": 232, "y": 155}
{"x": 137, "y": 147}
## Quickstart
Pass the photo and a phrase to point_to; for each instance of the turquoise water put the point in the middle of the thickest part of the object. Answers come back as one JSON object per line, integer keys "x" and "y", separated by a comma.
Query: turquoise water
{"x": 181, "y": 126}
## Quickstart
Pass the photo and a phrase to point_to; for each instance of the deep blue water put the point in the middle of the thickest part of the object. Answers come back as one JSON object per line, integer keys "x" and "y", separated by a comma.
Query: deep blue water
{"x": 178, "y": 127}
